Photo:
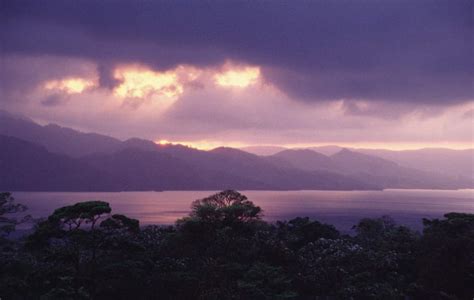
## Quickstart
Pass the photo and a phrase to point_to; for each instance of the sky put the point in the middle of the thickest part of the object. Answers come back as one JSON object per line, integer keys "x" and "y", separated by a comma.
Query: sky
{"x": 368, "y": 73}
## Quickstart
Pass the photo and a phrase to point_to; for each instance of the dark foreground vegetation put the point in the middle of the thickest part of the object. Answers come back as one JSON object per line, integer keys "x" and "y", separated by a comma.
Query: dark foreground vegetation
{"x": 223, "y": 250}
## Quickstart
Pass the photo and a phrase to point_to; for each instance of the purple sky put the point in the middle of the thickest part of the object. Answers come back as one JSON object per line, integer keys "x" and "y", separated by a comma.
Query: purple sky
{"x": 394, "y": 74}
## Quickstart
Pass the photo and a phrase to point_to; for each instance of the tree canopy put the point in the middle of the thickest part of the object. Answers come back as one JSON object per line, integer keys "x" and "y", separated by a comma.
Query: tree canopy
{"x": 227, "y": 206}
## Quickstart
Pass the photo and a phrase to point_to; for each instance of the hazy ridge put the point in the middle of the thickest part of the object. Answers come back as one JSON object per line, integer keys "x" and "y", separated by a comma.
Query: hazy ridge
{"x": 57, "y": 158}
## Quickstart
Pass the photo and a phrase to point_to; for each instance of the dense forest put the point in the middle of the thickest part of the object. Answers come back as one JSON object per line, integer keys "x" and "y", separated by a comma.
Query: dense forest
{"x": 224, "y": 250}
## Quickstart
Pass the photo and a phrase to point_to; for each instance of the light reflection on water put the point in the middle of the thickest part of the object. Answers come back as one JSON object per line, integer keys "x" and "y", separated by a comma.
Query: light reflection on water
{"x": 340, "y": 208}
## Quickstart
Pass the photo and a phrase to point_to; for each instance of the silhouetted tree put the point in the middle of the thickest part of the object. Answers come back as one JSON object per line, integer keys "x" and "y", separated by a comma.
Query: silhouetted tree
{"x": 8, "y": 207}
{"x": 227, "y": 207}
{"x": 73, "y": 216}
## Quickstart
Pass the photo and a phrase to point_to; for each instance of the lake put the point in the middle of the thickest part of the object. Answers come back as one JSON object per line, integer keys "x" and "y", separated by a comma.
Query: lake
{"x": 340, "y": 208}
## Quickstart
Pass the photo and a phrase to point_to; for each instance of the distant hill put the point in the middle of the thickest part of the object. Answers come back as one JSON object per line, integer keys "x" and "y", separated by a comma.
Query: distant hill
{"x": 369, "y": 168}
{"x": 263, "y": 150}
{"x": 349, "y": 161}
{"x": 304, "y": 159}
{"x": 327, "y": 150}
{"x": 154, "y": 170}
{"x": 391, "y": 175}
{"x": 441, "y": 161}
{"x": 28, "y": 167}
{"x": 283, "y": 177}
{"x": 56, "y": 158}
{"x": 65, "y": 140}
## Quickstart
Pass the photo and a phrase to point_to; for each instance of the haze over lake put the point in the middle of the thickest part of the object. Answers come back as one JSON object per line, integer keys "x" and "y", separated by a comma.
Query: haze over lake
{"x": 340, "y": 208}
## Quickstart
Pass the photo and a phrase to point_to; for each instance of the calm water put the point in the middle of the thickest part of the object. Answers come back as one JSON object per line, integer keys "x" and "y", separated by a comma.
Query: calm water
{"x": 340, "y": 208}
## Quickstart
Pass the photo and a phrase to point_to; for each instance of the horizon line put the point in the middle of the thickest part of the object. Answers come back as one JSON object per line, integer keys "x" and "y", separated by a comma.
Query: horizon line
{"x": 209, "y": 145}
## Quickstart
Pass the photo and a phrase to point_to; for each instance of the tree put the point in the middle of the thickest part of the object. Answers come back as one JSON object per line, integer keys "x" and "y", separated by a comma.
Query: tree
{"x": 120, "y": 222}
{"x": 228, "y": 206}
{"x": 216, "y": 223}
{"x": 14, "y": 263}
{"x": 73, "y": 216}
{"x": 219, "y": 239}
{"x": 301, "y": 231}
{"x": 342, "y": 269}
{"x": 67, "y": 220}
{"x": 446, "y": 257}
{"x": 8, "y": 206}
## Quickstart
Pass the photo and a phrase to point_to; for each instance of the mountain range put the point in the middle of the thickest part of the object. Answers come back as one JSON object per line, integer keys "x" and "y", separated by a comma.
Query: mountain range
{"x": 54, "y": 158}
{"x": 458, "y": 163}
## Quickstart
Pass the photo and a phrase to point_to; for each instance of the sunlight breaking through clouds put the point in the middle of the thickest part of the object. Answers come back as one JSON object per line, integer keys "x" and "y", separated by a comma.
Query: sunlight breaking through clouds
{"x": 201, "y": 144}
{"x": 70, "y": 85}
{"x": 238, "y": 77}
{"x": 139, "y": 82}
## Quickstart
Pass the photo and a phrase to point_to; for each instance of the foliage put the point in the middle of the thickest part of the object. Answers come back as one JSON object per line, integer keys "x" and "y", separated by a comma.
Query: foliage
{"x": 446, "y": 258}
{"x": 8, "y": 207}
{"x": 300, "y": 231}
{"x": 223, "y": 250}
{"x": 227, "y": 207}
{"x": 74, "y": 216}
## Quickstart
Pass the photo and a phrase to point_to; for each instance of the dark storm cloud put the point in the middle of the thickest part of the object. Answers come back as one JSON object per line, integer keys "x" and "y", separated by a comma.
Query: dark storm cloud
{"x": 399, "y": 51}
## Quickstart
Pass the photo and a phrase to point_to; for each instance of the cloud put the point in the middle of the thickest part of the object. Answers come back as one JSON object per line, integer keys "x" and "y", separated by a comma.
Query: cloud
{"x": 469, "y": 114}
{"x": 21, "y": 75}
{"x": 243, "y": 72}
{"x": 238, "y": 77}
{"x": 54, "y": 99}
{"x": 400, "y": 51}
{"x": 206, "y": 113}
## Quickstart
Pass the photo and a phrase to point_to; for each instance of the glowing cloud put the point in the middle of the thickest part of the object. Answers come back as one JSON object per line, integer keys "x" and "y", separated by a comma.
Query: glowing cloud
{"x": 70, "y": 85}
{"x": 238, "y": 77}
{"x": 201, "y": 144}
{"x": 139, "y": 82}
{"x": 163, "y": 142}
